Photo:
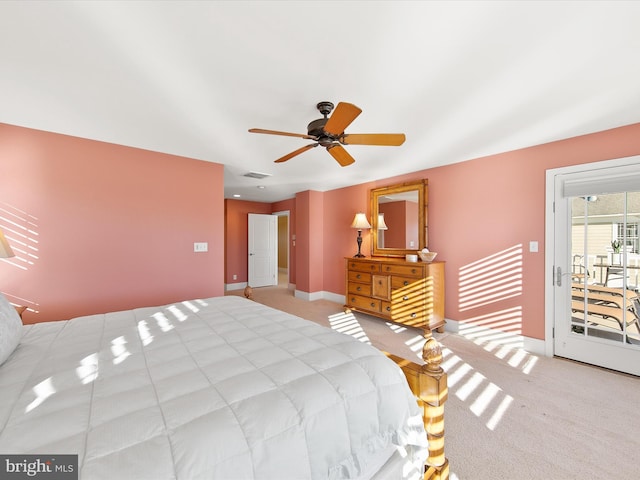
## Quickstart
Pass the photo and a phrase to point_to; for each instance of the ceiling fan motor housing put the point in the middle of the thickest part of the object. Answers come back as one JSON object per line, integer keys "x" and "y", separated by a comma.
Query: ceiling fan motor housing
{"x": 316, "y": 127}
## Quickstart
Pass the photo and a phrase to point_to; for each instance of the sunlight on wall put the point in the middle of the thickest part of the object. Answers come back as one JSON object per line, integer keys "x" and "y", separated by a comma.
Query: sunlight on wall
{"x": 491, "y": 279}
{"x": 21, "y": 231}
{"x": 348, "y": 323}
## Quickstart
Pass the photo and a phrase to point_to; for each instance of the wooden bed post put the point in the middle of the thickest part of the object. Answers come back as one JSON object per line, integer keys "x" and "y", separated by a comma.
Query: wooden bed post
{"x": 428, "y": 382}
{"x": 433, "y": 394}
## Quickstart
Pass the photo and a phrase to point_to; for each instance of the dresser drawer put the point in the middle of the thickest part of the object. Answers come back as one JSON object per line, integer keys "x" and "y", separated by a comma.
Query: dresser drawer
{"x": 411, "y": 317}
{"x": 362, "y": 277}
{"x": 360, "y": 288}
{"x": 405, "y": 270}
{"x": 364, "y": 303}
{"x": 363, "y": 266}
{"x": 409, "y": 308}
{"x": 414, "y": 297}
{"x": 410, "y": 283}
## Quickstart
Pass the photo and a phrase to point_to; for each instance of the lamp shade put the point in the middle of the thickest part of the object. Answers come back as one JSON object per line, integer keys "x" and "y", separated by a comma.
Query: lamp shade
{"x": 381, "y": 225}
{"x": 5, "y": 248}
{"x": 360, "y": 221}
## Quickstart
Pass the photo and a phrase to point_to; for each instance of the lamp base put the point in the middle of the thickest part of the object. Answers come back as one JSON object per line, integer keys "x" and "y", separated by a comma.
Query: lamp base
{"x": 359, "y": 240}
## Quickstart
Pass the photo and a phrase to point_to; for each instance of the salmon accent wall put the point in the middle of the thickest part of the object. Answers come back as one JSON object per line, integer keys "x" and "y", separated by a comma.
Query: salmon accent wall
{"x": 482, "y": 215}
{"x": 237, "y": 235}
{"x": 310, "y": 234}
{"x": 98, "y": 227}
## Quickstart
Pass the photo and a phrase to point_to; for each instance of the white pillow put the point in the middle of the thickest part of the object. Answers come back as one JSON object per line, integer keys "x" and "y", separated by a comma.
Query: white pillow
{"x": 10, "y": 329}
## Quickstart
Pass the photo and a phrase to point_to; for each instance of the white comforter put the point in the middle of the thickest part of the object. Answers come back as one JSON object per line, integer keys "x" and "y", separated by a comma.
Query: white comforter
{"x": 221, "y": 388}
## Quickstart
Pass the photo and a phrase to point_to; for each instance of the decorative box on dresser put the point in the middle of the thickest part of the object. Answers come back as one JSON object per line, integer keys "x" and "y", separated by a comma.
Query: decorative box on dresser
{"x": 409, "y": 293}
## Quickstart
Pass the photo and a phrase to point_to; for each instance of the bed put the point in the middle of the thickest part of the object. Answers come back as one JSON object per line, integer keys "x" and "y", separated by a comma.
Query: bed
{"x": 218, "y": 388}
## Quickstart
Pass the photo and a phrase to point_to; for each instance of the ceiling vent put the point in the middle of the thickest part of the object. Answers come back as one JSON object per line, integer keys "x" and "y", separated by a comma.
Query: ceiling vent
{"x": 257, "y": 175}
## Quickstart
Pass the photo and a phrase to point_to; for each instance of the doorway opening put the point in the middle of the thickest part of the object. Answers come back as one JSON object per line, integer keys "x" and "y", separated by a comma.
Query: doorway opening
{"x": 284, "y": 260}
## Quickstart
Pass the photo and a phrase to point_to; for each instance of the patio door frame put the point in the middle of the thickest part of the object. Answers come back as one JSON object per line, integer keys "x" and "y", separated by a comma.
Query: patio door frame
{"x": 557, "y": 254}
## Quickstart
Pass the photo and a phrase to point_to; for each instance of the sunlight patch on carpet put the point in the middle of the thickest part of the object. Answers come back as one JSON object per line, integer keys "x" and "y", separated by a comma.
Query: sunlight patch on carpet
{"x": 346, "y": 322}
{"x": 485, "y": 399}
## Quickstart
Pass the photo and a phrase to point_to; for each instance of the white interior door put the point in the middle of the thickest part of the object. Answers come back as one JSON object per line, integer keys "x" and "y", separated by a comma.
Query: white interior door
{"x": 263, "y": 250}
{"x": 594, "y": 315}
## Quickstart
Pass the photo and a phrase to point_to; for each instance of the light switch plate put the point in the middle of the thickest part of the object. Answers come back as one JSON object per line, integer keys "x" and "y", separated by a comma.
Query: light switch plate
{"x": 200, "y": 247}
{"x": 533, "y": 246}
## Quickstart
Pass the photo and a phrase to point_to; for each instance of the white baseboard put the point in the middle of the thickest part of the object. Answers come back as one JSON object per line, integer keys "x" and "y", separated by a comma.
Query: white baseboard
{"x": 321, "y": 295}
{"x": 234, "y": 286}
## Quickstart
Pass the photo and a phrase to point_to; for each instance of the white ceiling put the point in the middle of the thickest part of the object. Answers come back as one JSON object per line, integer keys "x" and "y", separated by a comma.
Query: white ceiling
{"x": 460, "y": 79}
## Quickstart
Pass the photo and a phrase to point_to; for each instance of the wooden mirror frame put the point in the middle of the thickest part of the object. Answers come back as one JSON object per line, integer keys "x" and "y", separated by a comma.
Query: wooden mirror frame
{"x": 376, "y": 193}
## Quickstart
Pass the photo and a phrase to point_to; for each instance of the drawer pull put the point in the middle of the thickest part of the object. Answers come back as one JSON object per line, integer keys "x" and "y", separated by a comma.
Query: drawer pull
{"x": 413, "y": 315}
{"x": 405, "y": 298}
{"x": 373, "y": 304}
{"x": 358, "y": 276}
{"x": 388, "y": 309}
{"x": 359, "y": 288}
{"x": 405, "y": 283}
{"x": 413, "y": 270}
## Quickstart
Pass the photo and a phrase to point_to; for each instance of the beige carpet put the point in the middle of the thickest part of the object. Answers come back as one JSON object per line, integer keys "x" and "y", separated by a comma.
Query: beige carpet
{"x": 510, "y": 415}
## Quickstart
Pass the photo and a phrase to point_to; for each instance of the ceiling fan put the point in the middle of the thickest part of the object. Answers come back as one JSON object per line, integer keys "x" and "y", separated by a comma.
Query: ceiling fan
{"x": 329, "y": 133}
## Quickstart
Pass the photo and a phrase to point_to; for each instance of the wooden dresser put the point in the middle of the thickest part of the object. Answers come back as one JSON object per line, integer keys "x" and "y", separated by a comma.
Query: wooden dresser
{"x": 410, "y": 293}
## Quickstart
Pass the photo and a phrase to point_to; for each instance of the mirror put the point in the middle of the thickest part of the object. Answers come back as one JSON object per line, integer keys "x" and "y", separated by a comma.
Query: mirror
{"x": 399, "y": 219}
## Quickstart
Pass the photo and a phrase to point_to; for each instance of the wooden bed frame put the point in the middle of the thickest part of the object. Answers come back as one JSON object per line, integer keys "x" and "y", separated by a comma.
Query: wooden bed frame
{"x": 428, "y": 383}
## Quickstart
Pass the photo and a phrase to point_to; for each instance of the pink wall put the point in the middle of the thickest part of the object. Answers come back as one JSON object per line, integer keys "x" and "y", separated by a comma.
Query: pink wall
{"x": 237, "y": 237}
{"x": 481, "y": 209}
{"x": 340, "y": 206}
{"x": 100, "y": 227}
{"x": 310, "y": 234}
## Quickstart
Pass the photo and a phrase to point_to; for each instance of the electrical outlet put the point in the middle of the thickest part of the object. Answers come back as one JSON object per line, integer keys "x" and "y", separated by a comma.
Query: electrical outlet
{"x": 235, "y": 277}
{"x": 200, "y": 247}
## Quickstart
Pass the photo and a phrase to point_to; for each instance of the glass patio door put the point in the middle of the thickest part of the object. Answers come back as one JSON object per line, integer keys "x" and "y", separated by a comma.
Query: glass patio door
{"x": 596, "y": 273}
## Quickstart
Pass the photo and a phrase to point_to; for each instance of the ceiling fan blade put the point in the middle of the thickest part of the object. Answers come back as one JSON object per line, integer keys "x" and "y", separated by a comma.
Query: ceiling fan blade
{"x": 384, "y": 139}
{"x": 296, "y": 152}
{"x": 275, "y": 132}
{"x": 342, "y": 116}
{"x": 340, "y": 154}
